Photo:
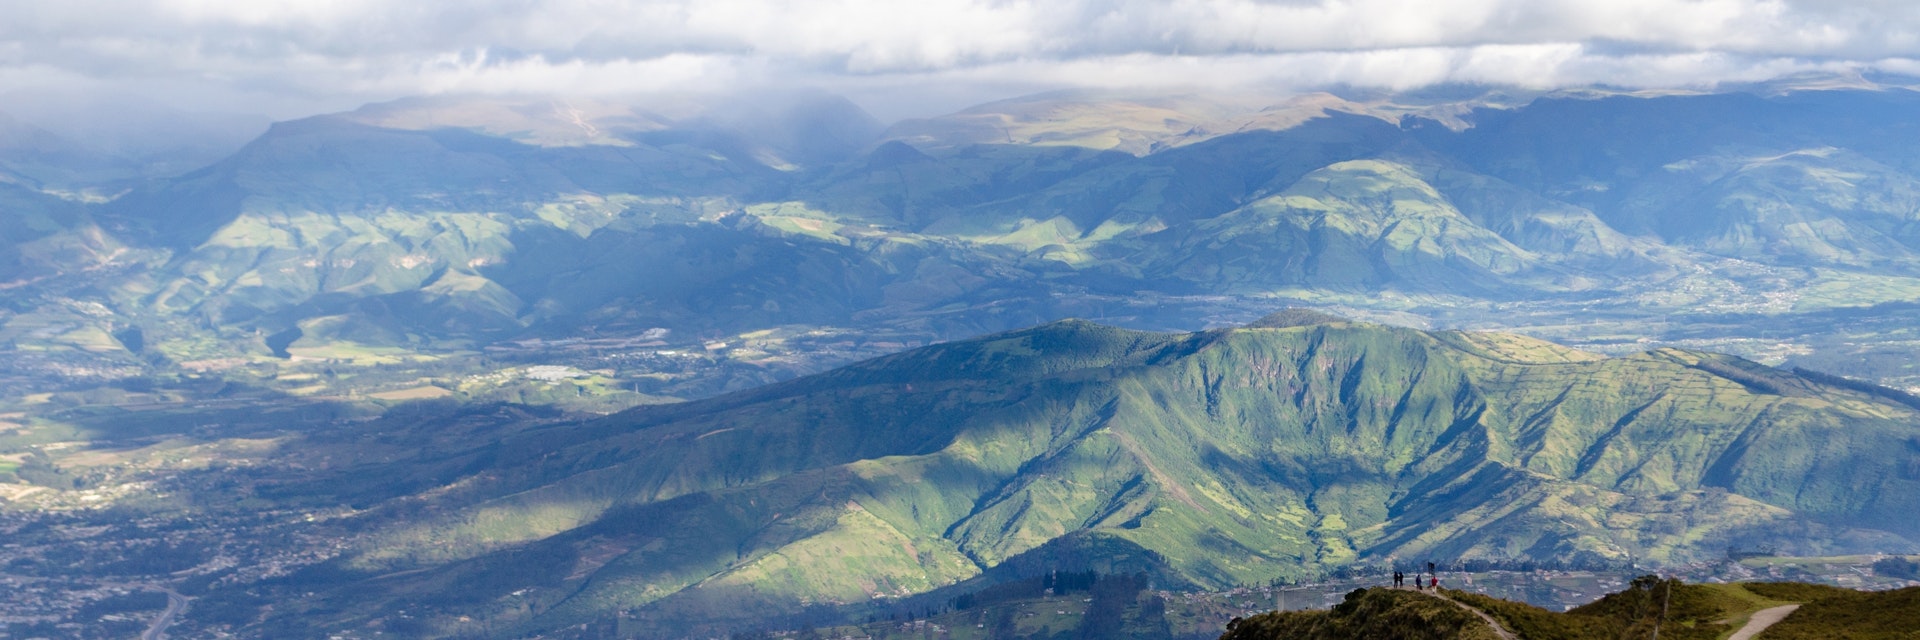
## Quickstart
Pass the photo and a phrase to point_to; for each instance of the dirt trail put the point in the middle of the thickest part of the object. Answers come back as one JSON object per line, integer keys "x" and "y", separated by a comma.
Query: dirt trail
{"x": 1494, "y": 624}
{"x": 1761, "y": 620}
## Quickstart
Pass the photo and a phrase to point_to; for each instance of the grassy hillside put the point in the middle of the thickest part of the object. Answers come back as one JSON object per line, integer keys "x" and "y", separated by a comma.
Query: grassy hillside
{"x": 1846, "y": 614}
{"x": 1383, "y": 614}
{"x": 1356, "y": 225}
{"x": 1207, "y": 459}
{"x": 1649, "y": 606}
{"x": 33, "y": 231}
{"x": 1679, "y": 610}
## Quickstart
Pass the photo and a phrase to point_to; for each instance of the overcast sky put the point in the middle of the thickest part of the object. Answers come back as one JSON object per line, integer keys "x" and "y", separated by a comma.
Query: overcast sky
{"x": 286, "y": 58}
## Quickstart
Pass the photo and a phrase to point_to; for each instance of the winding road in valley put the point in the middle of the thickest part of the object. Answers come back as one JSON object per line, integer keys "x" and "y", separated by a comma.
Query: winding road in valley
{"x": 157, "y": 630}
{"x": 176, "y": 603}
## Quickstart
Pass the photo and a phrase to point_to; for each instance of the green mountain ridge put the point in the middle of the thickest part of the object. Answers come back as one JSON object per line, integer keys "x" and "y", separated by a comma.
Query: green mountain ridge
{"x": 1207, "y": 459}
{"x": 1356, "y": 225}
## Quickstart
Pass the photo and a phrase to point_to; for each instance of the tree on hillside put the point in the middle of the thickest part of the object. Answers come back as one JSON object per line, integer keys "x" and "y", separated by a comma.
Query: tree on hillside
{"x": 1897, "y": 567}
{"x": 1111, "y": 597}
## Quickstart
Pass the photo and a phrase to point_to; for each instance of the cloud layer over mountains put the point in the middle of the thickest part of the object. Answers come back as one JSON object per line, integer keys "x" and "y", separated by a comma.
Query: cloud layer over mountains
{"x": 302, "y": 55}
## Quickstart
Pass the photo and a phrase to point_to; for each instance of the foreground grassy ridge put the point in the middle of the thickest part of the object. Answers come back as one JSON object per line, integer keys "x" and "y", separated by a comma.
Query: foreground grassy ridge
{"x": 1715, "y": 611}
{"x": 1843, "y": 613}
{"x": 1681, "y": 611}
{"x": 1208, "y": 459}
{"x": 1376, "y": 614}
{"x": 1690, "y": 611}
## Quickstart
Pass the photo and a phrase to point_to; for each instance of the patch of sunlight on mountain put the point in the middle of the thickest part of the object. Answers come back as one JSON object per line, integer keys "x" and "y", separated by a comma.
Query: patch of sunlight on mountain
{"x": 474, "y": 294}
{"x": 1135, "y": 126}
{"x": 492, "y": 526}
{"x": 858, "y": 558}
{"x": 1514, "y": 347}
{"x": 417, "y": 225}
{"x": 1119, "y": 125}
{"x": 584, "y": 213}
{"x": 252, "y": 231}
{"x": 1217, "y": 493}
{"x": 1058, "y": 238}
{"x": 558, "y": 123}
{"x": 810, "y": 227}
{"x": 1029, "y": 234}
{"x": 353, "y": 353}
{"x": 1380, "y": 302}
{"x": 1834, "y": 289}
{"x": 273, "y": 260}
{"x": 90, "y": 338}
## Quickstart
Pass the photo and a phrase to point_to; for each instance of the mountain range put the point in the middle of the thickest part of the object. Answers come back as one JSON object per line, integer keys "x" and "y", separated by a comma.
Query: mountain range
{"x": 450, "y": 222}
{"x": 499, "y": 366}
{"x": 1298, "y": 445}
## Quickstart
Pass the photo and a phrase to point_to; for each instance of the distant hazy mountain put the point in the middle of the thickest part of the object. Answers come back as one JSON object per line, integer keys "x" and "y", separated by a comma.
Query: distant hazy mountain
{"x": 1805, "y": 178}
{"x": 39, "y": 159}
{"x": 146, "y": 137}
{"x": 1209, "y": 459}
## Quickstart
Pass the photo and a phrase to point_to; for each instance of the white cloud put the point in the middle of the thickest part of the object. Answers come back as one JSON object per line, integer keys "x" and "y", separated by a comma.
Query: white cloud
{"x": 323, "y": 53}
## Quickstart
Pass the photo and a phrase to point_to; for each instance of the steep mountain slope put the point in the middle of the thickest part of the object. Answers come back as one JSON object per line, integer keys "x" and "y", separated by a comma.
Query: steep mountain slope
{"x": 1212, "y": 459}
{"x": 1356, "y": 225}
{"x": 1822, "y": 206}
{"x": 42, "y": 235}
{"x": 464, "y": 216}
